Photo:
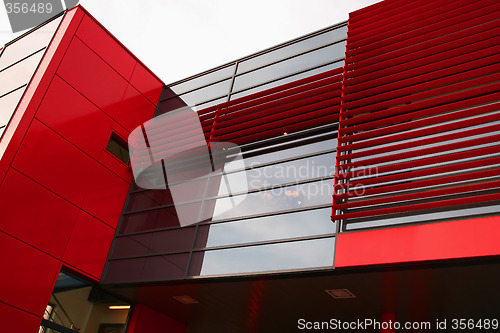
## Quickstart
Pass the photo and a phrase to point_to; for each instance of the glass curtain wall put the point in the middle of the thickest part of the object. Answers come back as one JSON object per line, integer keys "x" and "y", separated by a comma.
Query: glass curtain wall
{"x": 283, "y": 221}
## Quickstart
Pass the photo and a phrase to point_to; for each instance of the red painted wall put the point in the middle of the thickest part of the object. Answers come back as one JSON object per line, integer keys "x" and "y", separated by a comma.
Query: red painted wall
{"x": 437, "y": 241}
{"x": 61, "y": 191}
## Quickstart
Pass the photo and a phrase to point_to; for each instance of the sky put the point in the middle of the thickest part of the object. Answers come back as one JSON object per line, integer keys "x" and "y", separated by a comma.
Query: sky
{"x": 180, "y": 38}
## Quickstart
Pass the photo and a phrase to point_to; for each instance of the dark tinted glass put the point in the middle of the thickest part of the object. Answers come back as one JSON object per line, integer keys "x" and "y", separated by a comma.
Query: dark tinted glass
{"x": 119, "y": 149}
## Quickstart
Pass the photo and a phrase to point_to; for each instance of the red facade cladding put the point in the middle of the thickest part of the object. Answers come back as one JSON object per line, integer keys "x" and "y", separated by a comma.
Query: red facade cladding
{"x": 145, "y": 320}
{"x": 62, "y": 192}
{"x": 418, "y": 130}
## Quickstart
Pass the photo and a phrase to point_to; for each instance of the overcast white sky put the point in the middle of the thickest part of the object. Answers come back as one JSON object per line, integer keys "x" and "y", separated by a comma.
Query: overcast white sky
{"x": 180, "y": 38}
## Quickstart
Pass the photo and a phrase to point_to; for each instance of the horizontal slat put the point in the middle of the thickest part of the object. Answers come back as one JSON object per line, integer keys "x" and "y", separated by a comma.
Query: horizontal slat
{"x": 255, "y": 121}
{"x": 477, "y": 13}
{"x": 420, "y": 195}
{"x": 419, "y": 163}
{"x": 286, "y": 86}
{"x": 421, "y": 206}
{"x": 419, "y": 17}
{"x": 431, "y": 140}
{"x": 230, "y": 118}
{"x": 406, "y": 130}
{"x": 389, "y": 75}
{"x": 417, "y": 184}
{"x": 426, "y": 112}
{"x": 252, "y": 135}
{"x": 424, "y": 47}
{"x": 426, "y": 77}
{"x": 282, "y": 96}
{"x": 428, "y": 90}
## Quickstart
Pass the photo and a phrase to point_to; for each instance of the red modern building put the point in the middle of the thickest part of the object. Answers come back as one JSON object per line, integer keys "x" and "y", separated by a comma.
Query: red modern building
{"x": 371, "y": 161}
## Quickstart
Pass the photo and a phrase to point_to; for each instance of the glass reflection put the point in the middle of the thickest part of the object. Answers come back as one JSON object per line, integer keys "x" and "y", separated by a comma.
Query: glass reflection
{"x": 283, "y": 173}
{"x": 283, "y": 68}
{"x": 301, "y": 224}
{"x": 274, "y": 200}
{"x": 272, "y": 257}
{"x": 203, "y": 80}
{"x": 207, "y": 93}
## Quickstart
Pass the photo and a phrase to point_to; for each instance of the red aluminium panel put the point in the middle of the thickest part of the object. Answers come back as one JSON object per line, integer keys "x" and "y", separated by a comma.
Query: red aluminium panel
{"x": 134, "y": 110}
{"x": 437, "y": 241}
{"x": 145, "y": 320}
{"x": 83, "y": 124}
{"x": 106, "y": 195}
{"x": 36, "y": 215}
{"x": 147, "y": 83}
{"x": 28, "y": 276}
{"x": 89, "y": 245}
{"x": 55, "y": 163}
{"x": 86, "y": 72}
{"x": 109, "y": 49}
{"x": 16, "y": 320}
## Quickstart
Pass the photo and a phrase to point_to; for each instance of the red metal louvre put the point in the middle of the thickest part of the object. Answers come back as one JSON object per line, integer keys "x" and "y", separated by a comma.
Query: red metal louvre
{"x": 420, "y": 114}
{"x": 295, "y": 106}
{"x": 300, "y": 105}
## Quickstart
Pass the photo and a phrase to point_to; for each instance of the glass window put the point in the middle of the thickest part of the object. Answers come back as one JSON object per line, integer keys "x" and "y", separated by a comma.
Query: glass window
{"x": 300, "y": 224}
{"x": 8, "y": 104}
{"x": 283, "y": 152}
{"x": 203, "y": 80}
{"x": 19, "y": 74}
{"x": 218, "y": 101}
{"x": 118, "y": 149}
{"x": 295, "y": 48}
{"x": 271, "y": 257}
{"x": 273, "y": 200}
{"x": 76, "y": 306}
{"x": 289, "y": 66}
{"x": 29, "y": 44}
{"x": 283, "y": 173}
{"x": 207, "y": 93}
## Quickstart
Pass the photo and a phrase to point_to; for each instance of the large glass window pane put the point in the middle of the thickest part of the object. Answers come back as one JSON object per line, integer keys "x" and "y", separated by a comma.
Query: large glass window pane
{"x": 14, "y": 77}
{"x": 76, "y": 306}
{"x": 8, "y": 104}
{"x": 29, "y": 44}
{"x": 284, "y": 173}
{"x": 208, "y": 93}
{"x": 273, "y": 257}
{"x": 274, "y": 200}
{"x": 203, "y": 80}
{"x": 295, "y": 48}
{"x": 200, "y": 107}
{"x": 300, "y": 224}
{"x": 293, "y": 65}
